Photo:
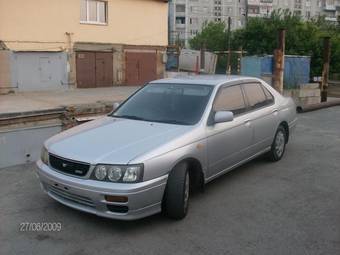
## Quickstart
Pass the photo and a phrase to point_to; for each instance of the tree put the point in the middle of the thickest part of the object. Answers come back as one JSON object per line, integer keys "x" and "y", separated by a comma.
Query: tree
{"x": 302, "y": 38}
{"x": 260, "y": 37}
{"x": 213, "y": 35}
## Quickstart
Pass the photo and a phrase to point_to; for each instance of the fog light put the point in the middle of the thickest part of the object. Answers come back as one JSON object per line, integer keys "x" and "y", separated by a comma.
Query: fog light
{"x": 118, "y": 199}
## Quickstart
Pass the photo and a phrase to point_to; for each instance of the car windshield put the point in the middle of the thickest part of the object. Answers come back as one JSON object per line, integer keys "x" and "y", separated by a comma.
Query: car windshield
{"x": 167, "y": 103}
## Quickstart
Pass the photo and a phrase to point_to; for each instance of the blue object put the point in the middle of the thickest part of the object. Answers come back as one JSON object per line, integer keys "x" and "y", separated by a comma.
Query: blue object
{"x": 171, "y": 62}
{"x": 297, "y": 69}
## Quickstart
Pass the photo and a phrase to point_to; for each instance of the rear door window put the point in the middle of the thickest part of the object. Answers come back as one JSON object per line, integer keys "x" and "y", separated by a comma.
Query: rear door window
{"x": 256, "y": 95}
{"x": 269, "y": 96}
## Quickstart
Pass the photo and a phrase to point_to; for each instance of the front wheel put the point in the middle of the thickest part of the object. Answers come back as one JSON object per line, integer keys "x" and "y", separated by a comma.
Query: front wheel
{"x": 176, "y": 197}
{"x": 279, "y": 145}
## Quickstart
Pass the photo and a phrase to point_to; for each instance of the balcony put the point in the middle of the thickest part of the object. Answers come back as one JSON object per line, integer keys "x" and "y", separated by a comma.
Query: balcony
{"x": 254, "y": 15}
{"x": 330, "y": 7}
{"x": 180, "y": 26}
{"x": 253, "y": 2}
{"x": 332, "y": 19}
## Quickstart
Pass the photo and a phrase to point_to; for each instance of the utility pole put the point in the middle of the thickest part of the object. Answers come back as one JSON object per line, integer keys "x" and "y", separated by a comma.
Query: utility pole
{"x": 246, "y": 12}
{"x": 178, "y": 50}
{"x": 229, "y": 50}
{"x": 325, "y": 69}
{"x": 203, "y": 49}
{"x": 240, "y": 55}
{"x": 279, "y": 57}
{"x": 197, "y": 69}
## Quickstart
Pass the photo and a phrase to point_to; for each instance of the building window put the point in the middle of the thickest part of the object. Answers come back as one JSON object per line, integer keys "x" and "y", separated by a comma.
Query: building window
{"x": 180, "y": 7}
{"x": 180, "y": 20}
{"x": 93, "y": 12}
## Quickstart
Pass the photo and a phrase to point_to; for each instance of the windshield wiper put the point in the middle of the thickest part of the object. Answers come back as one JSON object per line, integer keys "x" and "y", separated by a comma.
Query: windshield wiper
{"x": 131, "y": 117}
{"x": 172, "y": 122}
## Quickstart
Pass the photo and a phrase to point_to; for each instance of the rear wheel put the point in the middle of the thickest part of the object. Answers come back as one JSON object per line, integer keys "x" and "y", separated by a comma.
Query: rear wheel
{"x": 176, "y": 197}
{"x": 279, "y": 145}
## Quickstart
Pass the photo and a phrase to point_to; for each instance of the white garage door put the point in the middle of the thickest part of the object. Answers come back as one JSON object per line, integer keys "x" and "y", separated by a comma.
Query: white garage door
{"x": 39, "y": 70}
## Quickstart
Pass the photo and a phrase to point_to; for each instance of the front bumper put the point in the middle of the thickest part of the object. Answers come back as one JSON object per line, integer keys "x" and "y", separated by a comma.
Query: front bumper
{"x": 86, "y": 195}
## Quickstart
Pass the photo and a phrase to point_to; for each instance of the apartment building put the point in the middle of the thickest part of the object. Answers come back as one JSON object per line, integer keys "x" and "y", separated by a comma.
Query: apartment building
{"x": 305, "y": 8}
{"x": 337, "y": 13}
{"x": 81, "y": 43}
{"x": 186, "y": 17}
{"x": 331, "y": 10}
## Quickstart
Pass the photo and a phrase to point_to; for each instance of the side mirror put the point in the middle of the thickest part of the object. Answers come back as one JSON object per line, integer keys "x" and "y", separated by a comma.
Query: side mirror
{"x": 223, "y": 116}
{"x": 115, "y": 106}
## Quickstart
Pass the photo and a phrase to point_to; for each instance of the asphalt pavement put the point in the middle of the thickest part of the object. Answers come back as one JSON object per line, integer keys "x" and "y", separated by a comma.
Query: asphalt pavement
{"x": 288, "y": 207}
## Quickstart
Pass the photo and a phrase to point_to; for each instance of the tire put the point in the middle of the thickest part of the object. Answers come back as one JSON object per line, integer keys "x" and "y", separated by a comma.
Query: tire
{"x": 279, "y": 145}
{"x": 176, "y": 197}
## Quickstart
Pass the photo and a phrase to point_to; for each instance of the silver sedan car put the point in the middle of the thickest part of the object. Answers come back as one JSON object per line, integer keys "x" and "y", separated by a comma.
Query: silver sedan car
{"x": 170, "y": 137}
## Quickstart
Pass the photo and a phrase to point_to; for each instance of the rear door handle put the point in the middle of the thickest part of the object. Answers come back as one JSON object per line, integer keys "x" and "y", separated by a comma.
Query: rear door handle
{"x": 275, "y": 111}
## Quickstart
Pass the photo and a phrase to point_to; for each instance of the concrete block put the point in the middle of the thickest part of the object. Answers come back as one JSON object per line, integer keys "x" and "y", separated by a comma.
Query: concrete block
{"x": 288, "y": 93}
{"x": 309, "y": 86}
{"x": 308, "y": 100}
{"x": 302, "y": 93}
{"x": 308, "y": 93}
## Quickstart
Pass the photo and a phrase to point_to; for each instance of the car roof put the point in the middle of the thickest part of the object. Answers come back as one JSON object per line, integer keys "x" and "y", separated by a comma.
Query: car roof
{"x": 212, "y": 80}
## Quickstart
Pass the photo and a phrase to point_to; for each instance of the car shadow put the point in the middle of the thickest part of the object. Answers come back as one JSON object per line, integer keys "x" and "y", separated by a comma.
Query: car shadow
{"x": 159, "y": 220}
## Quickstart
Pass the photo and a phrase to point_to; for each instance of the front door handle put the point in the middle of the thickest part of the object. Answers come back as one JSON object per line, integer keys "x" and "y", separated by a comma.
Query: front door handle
{"x": 247, "y": 122}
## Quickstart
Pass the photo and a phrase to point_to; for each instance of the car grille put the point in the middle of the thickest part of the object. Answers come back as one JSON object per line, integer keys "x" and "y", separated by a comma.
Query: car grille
{"x": 71, "y": 197}
{"x": 68, "y": 166}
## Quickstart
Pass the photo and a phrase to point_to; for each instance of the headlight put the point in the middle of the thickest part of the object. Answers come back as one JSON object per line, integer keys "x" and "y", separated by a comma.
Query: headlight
{"x": 116, "y": 173}
{"x": 44, "y": 155}
{"x": 132, "y": 174}
{"x": 100, "y": 172}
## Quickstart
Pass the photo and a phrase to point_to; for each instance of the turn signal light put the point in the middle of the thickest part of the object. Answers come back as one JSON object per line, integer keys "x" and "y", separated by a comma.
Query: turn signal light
{"x": 118, "y": 199}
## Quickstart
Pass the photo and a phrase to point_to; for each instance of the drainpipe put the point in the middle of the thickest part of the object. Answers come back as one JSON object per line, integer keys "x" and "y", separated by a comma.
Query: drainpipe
{"x": 70, "y": 54}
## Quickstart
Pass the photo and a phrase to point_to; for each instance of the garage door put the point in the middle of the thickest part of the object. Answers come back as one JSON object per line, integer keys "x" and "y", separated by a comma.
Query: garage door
{"x": 104, "y": 69}
{"x": 39, "y": 70}
{"x": 141, "y": 67}
{"x": 94, "y": 69}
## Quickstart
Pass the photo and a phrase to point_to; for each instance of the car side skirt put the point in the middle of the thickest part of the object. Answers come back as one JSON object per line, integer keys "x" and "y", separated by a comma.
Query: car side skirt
{"x": 236, "y": 165}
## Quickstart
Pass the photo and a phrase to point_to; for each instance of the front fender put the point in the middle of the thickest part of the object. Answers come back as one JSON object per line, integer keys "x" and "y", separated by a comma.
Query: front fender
{"x": 163, "y": 164}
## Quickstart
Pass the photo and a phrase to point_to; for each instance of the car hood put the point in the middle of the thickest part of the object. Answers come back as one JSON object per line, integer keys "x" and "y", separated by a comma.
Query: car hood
{"x": 112, "y": 141}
